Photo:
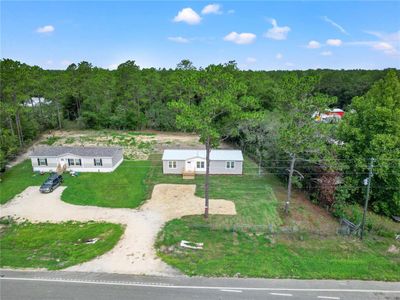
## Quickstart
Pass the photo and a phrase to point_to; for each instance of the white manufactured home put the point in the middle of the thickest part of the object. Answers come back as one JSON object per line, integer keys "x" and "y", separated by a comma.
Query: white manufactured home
{"x": 228, "y": 162}
{"x": 78, "y": 159}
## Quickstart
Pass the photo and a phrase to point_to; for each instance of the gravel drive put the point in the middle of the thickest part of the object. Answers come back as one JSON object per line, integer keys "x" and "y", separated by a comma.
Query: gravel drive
{"x": 134, "y": 253}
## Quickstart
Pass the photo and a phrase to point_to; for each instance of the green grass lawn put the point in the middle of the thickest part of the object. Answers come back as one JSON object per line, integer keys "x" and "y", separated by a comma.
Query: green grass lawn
{"x": 251, "y": 255}
{"x": 17, "y": 179}
{"x": 54, "y": 246}
{"x": 255, "y": 201}
{"x": 231, "y": 249}
{"x": 125, "y": 187}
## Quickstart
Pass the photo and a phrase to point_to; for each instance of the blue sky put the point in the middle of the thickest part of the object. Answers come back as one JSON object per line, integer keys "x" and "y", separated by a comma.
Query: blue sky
{"x": 258, "y": 35}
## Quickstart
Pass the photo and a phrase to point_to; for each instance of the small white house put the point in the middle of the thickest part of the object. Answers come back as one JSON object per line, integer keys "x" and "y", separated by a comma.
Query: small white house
{"x": 194, "y": 161}
{"x": 79, "y": 159}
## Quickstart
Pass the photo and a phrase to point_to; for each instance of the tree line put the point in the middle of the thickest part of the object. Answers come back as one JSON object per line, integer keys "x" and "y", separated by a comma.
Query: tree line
{"x": 266, "y": 113}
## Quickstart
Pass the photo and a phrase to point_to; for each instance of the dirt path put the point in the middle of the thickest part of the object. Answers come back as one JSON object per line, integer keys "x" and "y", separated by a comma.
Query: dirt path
{"x": 134, "y": 253}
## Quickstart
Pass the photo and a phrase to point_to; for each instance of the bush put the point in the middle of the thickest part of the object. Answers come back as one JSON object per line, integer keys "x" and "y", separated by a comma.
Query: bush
{"x": 70, "y": 140}
{"x": 375, "y": 223}
{"x": 50, "y": 140}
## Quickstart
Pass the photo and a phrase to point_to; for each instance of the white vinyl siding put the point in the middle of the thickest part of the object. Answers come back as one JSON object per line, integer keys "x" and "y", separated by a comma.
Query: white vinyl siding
{"x": 172, "y": 164}
{"x": 230, "y": 164}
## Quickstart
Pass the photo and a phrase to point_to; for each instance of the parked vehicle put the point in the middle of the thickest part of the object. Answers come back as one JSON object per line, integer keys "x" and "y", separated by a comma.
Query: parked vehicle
{"x": 51, "y": 183}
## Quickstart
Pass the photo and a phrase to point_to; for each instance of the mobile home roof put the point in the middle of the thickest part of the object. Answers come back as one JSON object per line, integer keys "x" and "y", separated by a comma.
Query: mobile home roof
{"x": 234, "y": 155}
{"x": 79, "y": 151}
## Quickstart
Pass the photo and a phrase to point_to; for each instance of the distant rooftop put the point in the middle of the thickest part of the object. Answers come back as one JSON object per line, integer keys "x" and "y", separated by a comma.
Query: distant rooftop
{"x": 235, "y": 155}
{"x": 79, "y": 151}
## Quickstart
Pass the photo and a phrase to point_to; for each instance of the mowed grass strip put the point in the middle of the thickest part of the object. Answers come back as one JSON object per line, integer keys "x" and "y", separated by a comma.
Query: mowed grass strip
{"x": 255, "y": 200}
{"x": 247, "y": 254}
{"x": 123, "y": 188}
{"x": 55, "y": 246}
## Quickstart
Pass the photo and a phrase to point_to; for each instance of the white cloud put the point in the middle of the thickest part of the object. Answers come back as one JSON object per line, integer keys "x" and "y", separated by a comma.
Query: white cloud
{"x": 231, "y": 11}
{"x": 276, "y": 32}
{"x": 334, "y": 42}
{"x": 334, "y": 24}
{"x": 313, "y": 45}
{"x": 45, "y": 29}
{"x": 394, "y": 37}
{"x": 279, "y": 56}
{"x": 387, "y": 43}
{"x": 188, "y": 16}
{"x": 49, "y": 62}
{"x": 382, "y": 46}
{"x": 212, "y": 9}
{"x": 178, "y": 39}
{"x": 240, "y": 38}
{"x": 326, "y": 53}
{"x": 289, "y": 64}
{"x": 251, "y": 60}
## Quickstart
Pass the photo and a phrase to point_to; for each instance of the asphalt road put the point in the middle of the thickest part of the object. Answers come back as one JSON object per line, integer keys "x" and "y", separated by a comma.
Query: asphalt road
{"x": 21, "y": 285}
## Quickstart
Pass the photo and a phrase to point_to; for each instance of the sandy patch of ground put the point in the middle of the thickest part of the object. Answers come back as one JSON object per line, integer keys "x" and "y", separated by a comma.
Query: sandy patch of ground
{"x": 137, "y": 146}
{"x": 134, "y": 253}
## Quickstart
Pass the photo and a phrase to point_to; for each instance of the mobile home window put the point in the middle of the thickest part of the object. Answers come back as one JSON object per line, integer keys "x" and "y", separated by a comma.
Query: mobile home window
{"x": 42, "y": 161}
{"x": 172, "y": 164}
{"x": 230, "y": 164}
{"x": 200, "y": 165}
{"x": 78, "y": 162}
{"x": 98, "y": 162}
{"x": 71, "y": 162}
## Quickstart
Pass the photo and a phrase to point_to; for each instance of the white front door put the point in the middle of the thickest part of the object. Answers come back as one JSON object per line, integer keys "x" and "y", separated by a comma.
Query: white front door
{"x": 189, "y": 166}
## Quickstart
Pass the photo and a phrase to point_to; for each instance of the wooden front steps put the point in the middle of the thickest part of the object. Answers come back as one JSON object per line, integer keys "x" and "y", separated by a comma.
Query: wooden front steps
{"x": 188, "y": 175}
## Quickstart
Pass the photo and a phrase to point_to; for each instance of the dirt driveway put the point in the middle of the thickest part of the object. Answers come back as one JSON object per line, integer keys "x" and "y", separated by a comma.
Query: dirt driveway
{"x": 134, "y": 253}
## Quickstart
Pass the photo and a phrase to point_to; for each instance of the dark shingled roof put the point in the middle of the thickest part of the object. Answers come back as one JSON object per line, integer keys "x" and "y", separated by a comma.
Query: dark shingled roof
{"x": 79, "y": 151}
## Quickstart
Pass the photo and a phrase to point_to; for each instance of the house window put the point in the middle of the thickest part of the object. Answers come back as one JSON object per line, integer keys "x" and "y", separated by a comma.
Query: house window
{"x": 71, "y": 162}
{"x": 78, "y": 162}
{"x": 230, "y": 164}
{"x": 98, "y": 162}
{"x": 42, "y": 161}
{"x": 172, "y": 164}
{"x": 200, "y": 165}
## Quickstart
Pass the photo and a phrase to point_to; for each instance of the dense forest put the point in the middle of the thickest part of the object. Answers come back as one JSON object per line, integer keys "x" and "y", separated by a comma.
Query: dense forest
{"x": 329, "y": 160}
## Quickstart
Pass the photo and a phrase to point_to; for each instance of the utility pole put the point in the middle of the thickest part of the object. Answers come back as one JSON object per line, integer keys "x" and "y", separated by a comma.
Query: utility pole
{"x": 289, "y": 194}
{"x": 370, "y": 174}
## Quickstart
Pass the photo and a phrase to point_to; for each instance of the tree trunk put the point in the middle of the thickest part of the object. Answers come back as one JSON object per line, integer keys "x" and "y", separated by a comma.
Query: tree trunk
{"x": 289, "y": 195}
{"x": 58, "y": 116}
{"x": 259, "y": 163}
{"x": 18, "y": 122}
{"x": 40, "y": 108}
{"x": 19, "y": 129}
{"x": 206, "y": 183}
{"x": 11, "y": 125}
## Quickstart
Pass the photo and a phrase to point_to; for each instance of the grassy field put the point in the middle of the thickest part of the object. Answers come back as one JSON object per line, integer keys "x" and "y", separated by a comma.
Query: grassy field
{"x": 54, "y": 246}
{"x": 125, "y": 187}
{"x": 16, "y": 179}
{"x": 255, "y": 201}
{"x": 233, "y": 249}
{"x": 246, "y": 254}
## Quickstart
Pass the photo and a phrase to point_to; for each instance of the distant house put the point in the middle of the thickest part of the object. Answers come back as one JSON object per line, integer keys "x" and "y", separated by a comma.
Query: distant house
{"x": 194, "y": 162}
{"x": 80, "y": 159}
{"x": 332, "y": 115}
